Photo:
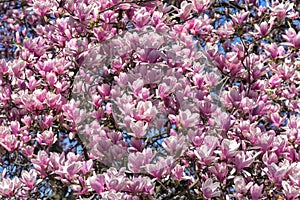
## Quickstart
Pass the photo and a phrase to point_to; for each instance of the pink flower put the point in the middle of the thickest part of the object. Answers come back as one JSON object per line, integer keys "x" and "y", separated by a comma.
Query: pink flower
{"x": 40, "y": 95}
{"x": 137, "y": 86}
{"x": 118, "y": 65}
{"x": 51, "y": 78}
{"x": 17, "y": 68}
{"x": 223, "y": 121}
{"x": 220, "y": 170}
{"x": 76, "y": 46}
{"x": 87, "y": 166}
{"x": 185, "y": 10}
{"x": 15, "y": 127}
{"x": 54, "y": 100}
{"x": 9, "y": 187}
{"x": 240, "y": 186}
{"x": 175, "y": 145}
{"x": 138, "y": 128}
{"x": 241, "y": 161}
{"x": 289, "y": 34}
{"x": 144, "y": 94}
{"x": 210, "y": 189}
{"x": 240, "y": 18}
{"x": 201, "y": 5}
{"x": 112, "y": 194}
{"x": 277, "y": 173}
{"x": 141, "y": 17}
{"x": 40, "y": 163}
{"x": 47, "y": 138}
{"x": 290, "y": 191}
{"x": 97, "y": 183}
{"x": 265, "y": 140}
{"x": 165, "y": 88}
{"x": 110, "y": 16}
{"x": 82, "y": 10}
{"x": 33, "y": 83}
{"x": 3, "y": 67}
{"x": 177, "y": 171}
{"x": 157, "y": 17}
{"x": 47, "y": 121}
{"x": 269, "y": 158}
{"x": 275, "y": 81}
{"x": 42, "y": 7}
{"x": 264, "y": 28}
{"x": 29, "y": 179}
{"x": 140, "y": 184}
{"x": 234, "y": 97}
{"x": 272, "y": 49}
{"x": 256, "y": 191}
{"x": 187, "y": 119}
{"x": 69, "y": 171}
{"x": 10, "y": 143}
{"x": 108, "y": 152}
{"x": 281, "y": 9}
{"x": 144, "y": 111}
{"x": 139, "y": 159}
{"x": 157, "y": 170}
{"x": 296, "y": 41}
{"x": 149, "y": 55}
{"x": 276, "y": 119}
{"x": 56, "y": 160}
{"x": 294, "y": 175}
{"x": 229, "y": 148}
{"x": 28, "y": 151}
{"x": 104, "y": 90}
{"x": 101, "y": 34}
{"x": 115, "y": 180}
{"x": 205, "y": 152}
{"x": 292, "y": 38}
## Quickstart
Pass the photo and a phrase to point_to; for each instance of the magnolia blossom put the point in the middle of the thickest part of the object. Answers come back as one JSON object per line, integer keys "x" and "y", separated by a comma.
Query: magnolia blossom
{"x": 46, "y": 138}
{"x": 137, "y": 161}
{"x": 241, "y": 186}
{"x": 256, "y": 191}
{"x": 175, "y": 145}
{"x": 205, "y": 152}
{"x": 210, "y": 189}
{"x": 187, "y": 119}
{"x": 9, "y": 187}
{"x": 290, "y": 191}
{"x": 220, "y": 170}
{"x": 229, "y": 148}
{"x": 97, "y": 183}
{"x": 281, "y": 9}
{"x": 29, "y": 179}
{"x": 200, "y": 5}
{"x": 185, "y": 10}
{"x": 278, "y": 173}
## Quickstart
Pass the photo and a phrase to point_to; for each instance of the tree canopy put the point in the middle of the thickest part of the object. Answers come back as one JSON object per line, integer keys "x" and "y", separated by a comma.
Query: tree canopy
{"x": 147, "y": 99}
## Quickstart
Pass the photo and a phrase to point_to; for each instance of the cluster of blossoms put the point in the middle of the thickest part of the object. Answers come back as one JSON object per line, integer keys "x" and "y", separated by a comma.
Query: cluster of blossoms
{"x": 147, "y": 99}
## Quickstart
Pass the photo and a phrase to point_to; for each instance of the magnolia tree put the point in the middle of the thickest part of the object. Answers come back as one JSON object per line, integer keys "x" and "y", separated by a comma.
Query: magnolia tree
{"x": 146, "y": 99}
